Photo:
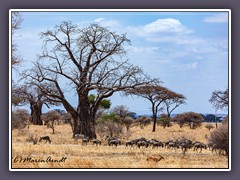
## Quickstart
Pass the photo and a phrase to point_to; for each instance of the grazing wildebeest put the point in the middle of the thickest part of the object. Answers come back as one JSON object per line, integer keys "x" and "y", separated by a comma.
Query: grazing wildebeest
{"x": 142, "y": 144}
{"x": 85, "y": 141}
{"x": 185, "y": 144}
{"x": 133, "y": 142}
{"x": 130, "y": 143}
{"x": 96, "y": 141}
{"x": 199, "y": 145}
{"x": 46, "y": 138}
{"x": 79, "y": 136}
{"x": 172, "y": 145}
{"x": 112, "y": 141}
{"x": 155, "y": 143}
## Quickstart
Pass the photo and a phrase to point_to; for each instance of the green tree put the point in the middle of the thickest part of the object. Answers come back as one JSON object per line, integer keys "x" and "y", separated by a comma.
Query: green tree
{"x": 109, "y": 124}
{"x": 164, "y": 121}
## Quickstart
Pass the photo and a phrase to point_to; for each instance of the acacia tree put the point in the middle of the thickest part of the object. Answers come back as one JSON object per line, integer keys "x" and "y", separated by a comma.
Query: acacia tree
{"x": 174, "y": 101}
{"x": 89, "y": 60}
{"x": 219, "y": 99}
{"x": 171, "y": 103}
{"x": 156, "y": 94}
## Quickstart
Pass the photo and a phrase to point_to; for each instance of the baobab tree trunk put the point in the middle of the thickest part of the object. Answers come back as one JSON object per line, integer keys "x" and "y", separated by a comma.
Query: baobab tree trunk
{"x": 85, "y": 125}
{"x": 36, "y": 112}
{"x": 85, "y": 121}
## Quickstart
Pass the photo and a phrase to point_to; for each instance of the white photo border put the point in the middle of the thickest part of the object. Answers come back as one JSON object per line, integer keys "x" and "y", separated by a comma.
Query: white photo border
{"x": 119, "y": 10}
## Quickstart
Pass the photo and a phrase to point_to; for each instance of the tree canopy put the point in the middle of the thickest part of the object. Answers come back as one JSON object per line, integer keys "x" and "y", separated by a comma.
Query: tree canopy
{"x": 219, "y": 99}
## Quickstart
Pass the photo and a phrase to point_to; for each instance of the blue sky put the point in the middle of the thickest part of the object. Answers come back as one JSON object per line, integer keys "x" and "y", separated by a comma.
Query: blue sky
{"x": 188, "y": 51}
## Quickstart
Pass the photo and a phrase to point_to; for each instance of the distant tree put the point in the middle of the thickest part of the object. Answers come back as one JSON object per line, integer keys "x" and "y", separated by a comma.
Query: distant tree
{"x": 174, "y": 101}
{"x": 156, "y": 94}
{"x": 194, "y": 120}
{"x": 60, "y": 111}
{"x": 109, "y": 124}
{"x": 15, "y": 25}
{"x": 211, "y": 118}
{"x": 171, "y": 103}
{"x": 33, "y": 95}
{"x": 143, "y": 121}
{"x": 209, "y": 126}
{"x": 124, "y": 115}
{"x": 164, "y": 121}
{"x": 20, "y": 119}
{"x": 50, "y": 117}
{"x": 219, "y": 99}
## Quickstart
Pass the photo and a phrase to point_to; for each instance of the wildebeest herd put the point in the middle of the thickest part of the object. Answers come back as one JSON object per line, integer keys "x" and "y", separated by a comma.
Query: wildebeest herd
{"x": 181, "y": 143}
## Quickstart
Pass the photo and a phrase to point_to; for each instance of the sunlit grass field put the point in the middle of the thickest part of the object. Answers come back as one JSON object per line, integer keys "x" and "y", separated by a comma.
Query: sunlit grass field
{"x": 64, "y": 152}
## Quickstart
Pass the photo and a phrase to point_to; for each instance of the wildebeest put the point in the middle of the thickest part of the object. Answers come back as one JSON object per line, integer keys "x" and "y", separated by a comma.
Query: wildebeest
{"x": 130, "y": 143}
{"x": 96, "y": 141}
{"x": 155, "y": 143}
{"x": 46, "y": 138}
{"x": 172, "y": 145}
{"x": 142, "y": 144}
{"x": 112, "y": 141}
{"x": 85, "y": 141}
{"x": 134, "y": 142}
{"x": 79, "y": 136}
{"x": 199, "y": 145}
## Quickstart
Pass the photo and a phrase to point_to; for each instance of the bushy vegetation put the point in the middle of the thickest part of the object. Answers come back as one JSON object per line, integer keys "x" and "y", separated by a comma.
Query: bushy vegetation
{"x": 219, "y": 139}
{"x": 209, "y": 126}
{"x": 192, "y": 119}
{"x": 20, "y": 119}
{"x": 164, "y": 121}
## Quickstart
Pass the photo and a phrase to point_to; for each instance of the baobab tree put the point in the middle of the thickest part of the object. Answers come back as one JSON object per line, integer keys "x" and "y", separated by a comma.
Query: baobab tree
{"x": 85, "y": 61}
{"x": 28, "y": 94}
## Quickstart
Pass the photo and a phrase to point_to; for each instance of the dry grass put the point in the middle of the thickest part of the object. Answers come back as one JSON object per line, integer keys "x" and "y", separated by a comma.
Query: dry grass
{"x": 78, "y": 156}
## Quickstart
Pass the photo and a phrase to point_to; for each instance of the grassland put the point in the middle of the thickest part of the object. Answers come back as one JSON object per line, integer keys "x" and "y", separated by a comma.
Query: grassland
{"x": 91, "y": 156}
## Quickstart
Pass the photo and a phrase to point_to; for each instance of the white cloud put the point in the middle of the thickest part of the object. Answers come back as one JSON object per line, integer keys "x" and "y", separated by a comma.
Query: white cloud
{"x": 168, "y": 25}
{"x": 99, "y": 20}
{"x": 164, "y": 27}
{"x": 192, "y": 66}
{"x": 113, "y": 24}
{"x": 217, "y": 18}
